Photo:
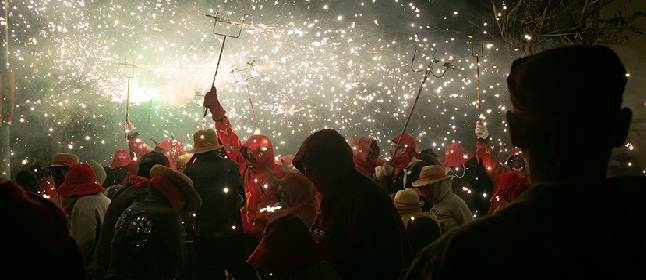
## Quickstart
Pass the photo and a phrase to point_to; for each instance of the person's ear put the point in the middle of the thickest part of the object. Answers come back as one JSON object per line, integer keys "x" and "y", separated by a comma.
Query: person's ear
{"x": 516, "y": 130}
{"x": 620, "y": 127}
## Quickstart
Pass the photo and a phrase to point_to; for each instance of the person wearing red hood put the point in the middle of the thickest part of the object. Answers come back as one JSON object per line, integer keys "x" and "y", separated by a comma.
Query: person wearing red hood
{"x": 404, "y": 167}
{"x": 356, "y": 221}
{"x": 512, "y": 183}
{"x": 572, "y": 223}
{"x": 366, "y": 155}
{"x": 255, "y": 157}
{"x": 134, "y": 191}
{"x": 484, "y": 153}
{"x": 85, "y": 197}
{"x": 36, "y": 242}
{"x": 171, "y": 148}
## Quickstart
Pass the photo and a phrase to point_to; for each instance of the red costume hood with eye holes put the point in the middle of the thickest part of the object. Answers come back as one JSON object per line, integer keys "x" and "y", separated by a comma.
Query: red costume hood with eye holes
{"x": 259, "y": 189}
{"x": 263, "y": 150}
{"x": 360, "y": 148}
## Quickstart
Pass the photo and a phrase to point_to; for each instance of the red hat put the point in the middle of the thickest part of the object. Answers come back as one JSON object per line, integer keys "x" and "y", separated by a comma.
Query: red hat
{"x": 511, "y": 184}
{"x": 456, "y": 155}
{"x": 120, "y": 158}
{"x": 80, "y": 180}
{"x": 286, "y": 244}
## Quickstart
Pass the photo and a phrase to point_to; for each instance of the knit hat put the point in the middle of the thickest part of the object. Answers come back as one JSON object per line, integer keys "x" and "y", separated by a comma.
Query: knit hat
{"x": 204, "y": 140}
{"x": 565, "y": 85}
{"x": 407, "y": 199}
{"x": 456, "y": 155}
{"x": 99, "y": 172}
{"x": 64, "y": 160}
{"x": 120, "y": 158}
{"x": 192, "y": 200}
{"x": 431, "y": 174}
{"x": 36, "y": 234}
{"x": 286, "y": 244}
{"x": 80, "y": 180}
{"x": 147, "y": 161}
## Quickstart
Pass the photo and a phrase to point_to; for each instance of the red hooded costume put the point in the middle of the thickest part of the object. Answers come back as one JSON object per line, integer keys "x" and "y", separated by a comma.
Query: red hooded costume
{"x": 173, "y": 147}
{"x": 361, "y": 147}
{"x": 259, "y": 189}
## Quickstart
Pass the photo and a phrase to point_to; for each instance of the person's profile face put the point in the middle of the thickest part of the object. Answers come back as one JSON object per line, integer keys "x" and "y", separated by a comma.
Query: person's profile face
{"x": 397, "y": 151}
{"x": 58, "y": 172}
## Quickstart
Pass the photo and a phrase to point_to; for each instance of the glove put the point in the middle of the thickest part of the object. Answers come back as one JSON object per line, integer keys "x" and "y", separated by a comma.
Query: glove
{"x": 384, "y": 171}
{"x": 481, "y": 131}
{"x": 212, "y": 103}
{"x": 128, "y": 127}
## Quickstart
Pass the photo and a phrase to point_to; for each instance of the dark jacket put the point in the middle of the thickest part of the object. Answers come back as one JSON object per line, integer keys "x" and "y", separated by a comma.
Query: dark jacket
{"x": 552, "y": 231}
{"x": 409, "y": 174}
{"x": 473, "y": 177}
{"x": 124, "y": 198}
{"x": 361, "y": 230}
{"x": 147, "y": 242}
{"x": 220, "y": 186}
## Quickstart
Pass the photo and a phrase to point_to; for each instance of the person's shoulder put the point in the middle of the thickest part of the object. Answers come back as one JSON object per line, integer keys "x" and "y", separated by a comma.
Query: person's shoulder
{"x": 486, "y": 240}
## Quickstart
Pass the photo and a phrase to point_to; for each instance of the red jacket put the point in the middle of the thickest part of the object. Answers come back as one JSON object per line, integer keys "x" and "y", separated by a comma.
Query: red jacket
{"x": 259, "y": 189}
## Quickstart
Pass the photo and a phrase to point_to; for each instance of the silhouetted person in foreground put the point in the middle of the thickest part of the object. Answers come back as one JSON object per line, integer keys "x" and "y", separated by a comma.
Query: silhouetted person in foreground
{"x": 356, "y": 222}
{"x": 566, "y": 117}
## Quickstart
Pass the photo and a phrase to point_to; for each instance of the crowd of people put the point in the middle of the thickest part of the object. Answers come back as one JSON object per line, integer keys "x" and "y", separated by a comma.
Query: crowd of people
{"x": 227, "y": 209}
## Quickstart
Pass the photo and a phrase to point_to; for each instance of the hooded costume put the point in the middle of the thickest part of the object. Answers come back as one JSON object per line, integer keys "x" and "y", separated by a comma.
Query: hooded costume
{"x": 356, "y": 220}
{"x": 171, "y": 148}
{"x": 365, "y": 155}
{"x": 492, "y": 166}
{"x": 260, "y": 191}
{"x": 512, "y": 183}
